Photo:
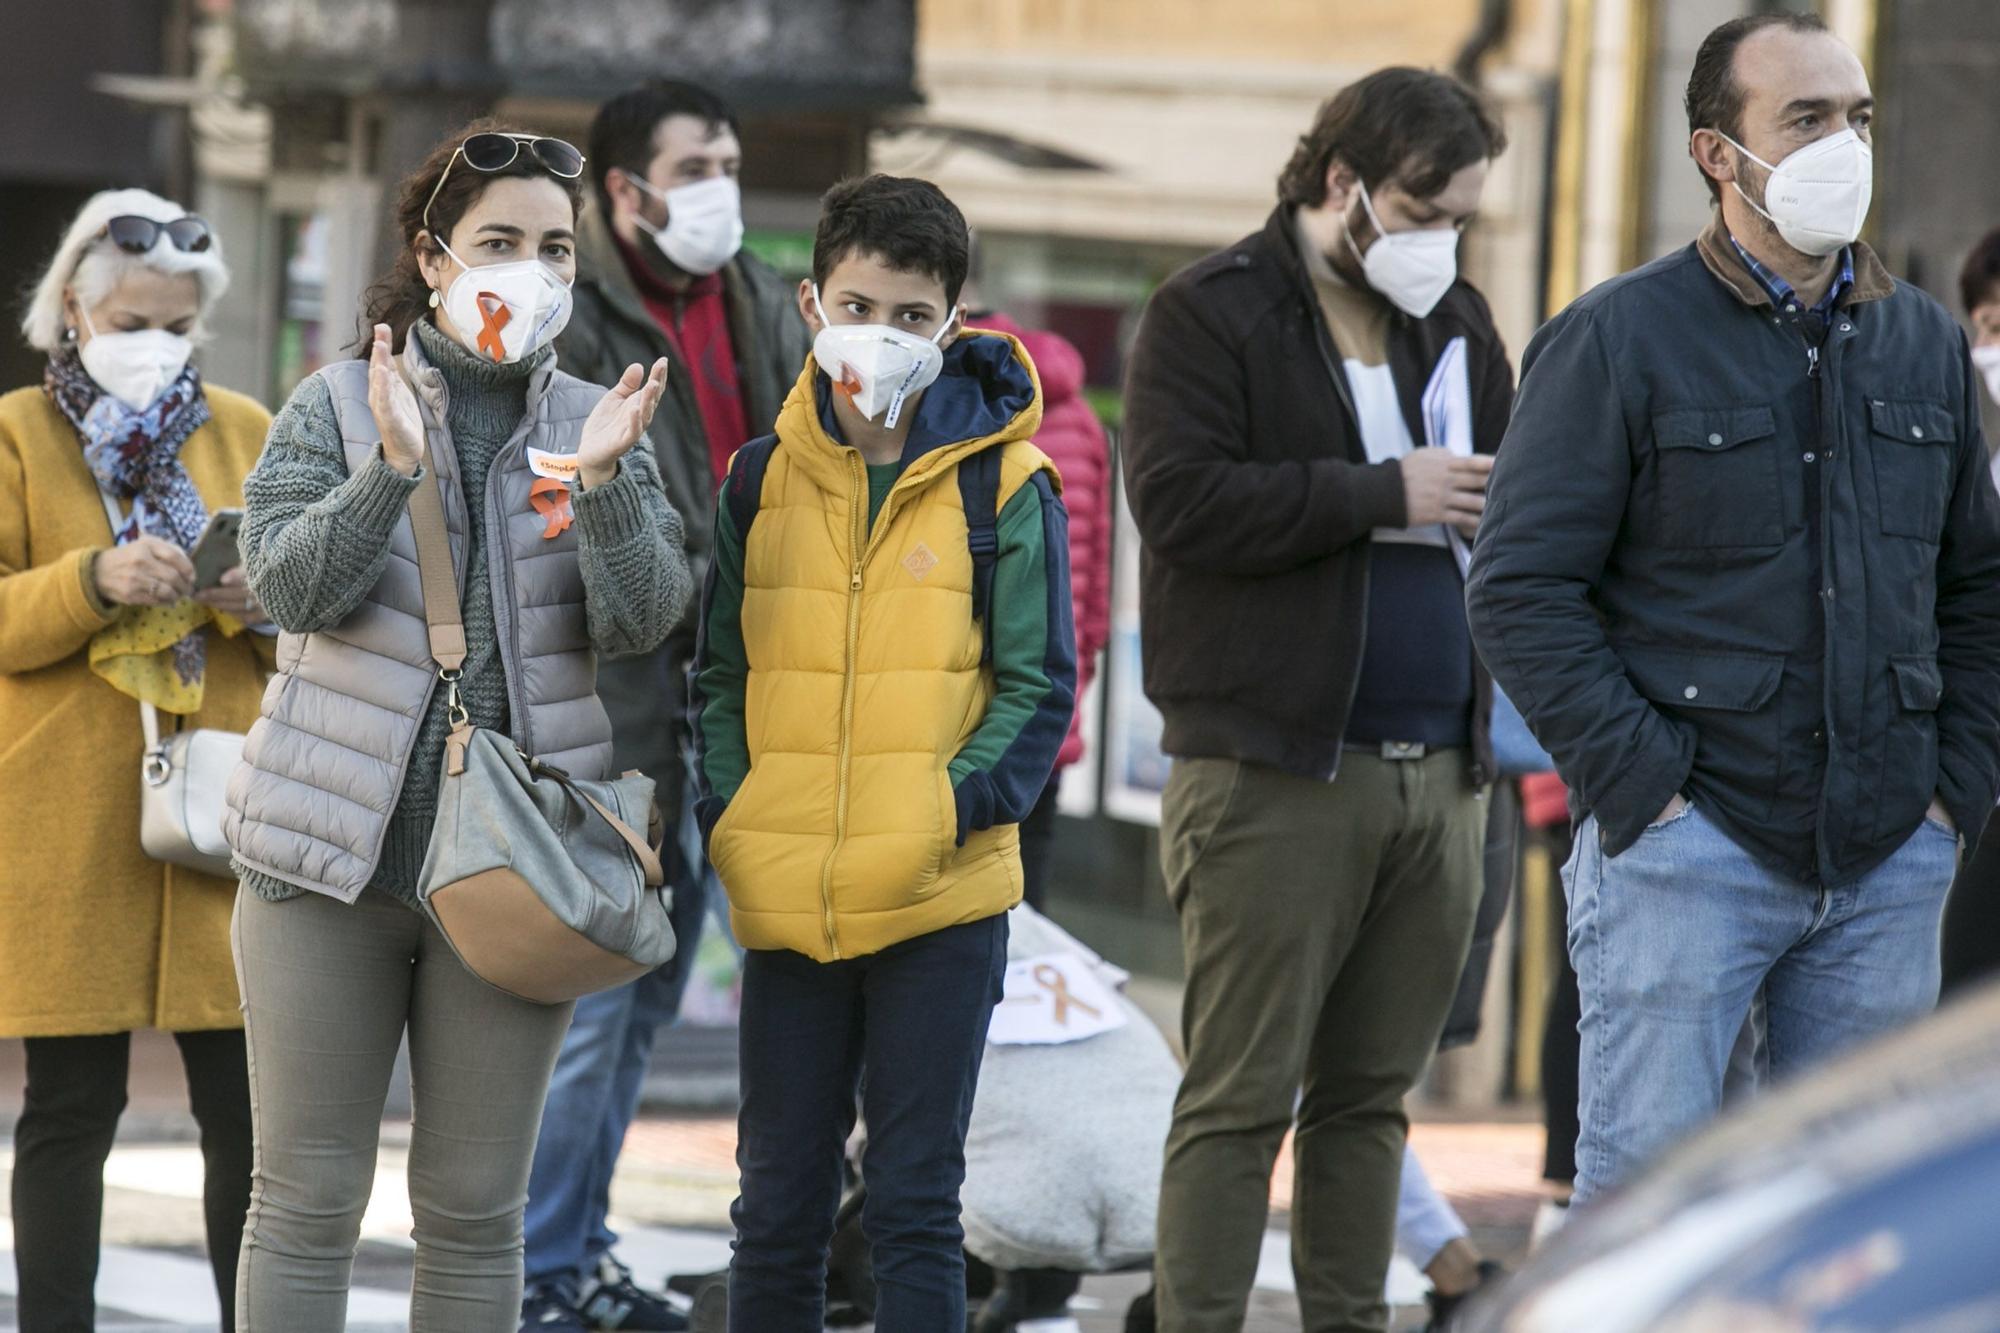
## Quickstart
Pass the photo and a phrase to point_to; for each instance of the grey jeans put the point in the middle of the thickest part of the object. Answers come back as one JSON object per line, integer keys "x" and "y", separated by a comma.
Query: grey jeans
{"x": 328, "y": 991}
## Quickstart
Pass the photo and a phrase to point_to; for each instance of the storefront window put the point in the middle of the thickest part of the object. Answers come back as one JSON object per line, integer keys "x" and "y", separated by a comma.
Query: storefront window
{"x": 302, "y": 344}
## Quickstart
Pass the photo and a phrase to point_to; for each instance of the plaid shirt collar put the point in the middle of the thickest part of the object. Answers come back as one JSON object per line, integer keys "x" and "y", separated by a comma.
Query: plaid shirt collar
{"x": 1781, "y": 293}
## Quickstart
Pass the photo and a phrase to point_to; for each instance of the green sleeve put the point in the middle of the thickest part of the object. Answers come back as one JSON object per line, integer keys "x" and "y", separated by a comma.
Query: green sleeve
{"x": 1002, "y": 770}
{"x": 721, "y": 671}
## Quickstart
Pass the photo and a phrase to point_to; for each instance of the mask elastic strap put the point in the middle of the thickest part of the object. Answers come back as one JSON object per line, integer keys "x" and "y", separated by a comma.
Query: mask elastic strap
{"x": 1347, "y": 232}
{"x": 1737, "y": 185}
{"x": 647, "y": 187}
{"x": 819, "y": 309}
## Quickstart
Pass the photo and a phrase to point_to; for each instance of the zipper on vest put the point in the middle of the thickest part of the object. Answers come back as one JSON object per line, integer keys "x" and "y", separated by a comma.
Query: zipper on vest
{"x": 857, "y": 542}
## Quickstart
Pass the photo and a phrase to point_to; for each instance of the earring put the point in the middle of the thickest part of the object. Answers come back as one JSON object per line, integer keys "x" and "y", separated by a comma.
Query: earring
{"x": 436, "y": 300}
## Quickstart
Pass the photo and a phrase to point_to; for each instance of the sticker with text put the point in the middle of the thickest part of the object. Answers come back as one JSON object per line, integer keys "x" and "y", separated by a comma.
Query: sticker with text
{"x": 558, "y": 467}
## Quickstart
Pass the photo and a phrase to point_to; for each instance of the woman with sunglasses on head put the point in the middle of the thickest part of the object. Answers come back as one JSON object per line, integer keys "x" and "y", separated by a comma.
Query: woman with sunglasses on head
{"x": 332, "y": 811}
{"x": 109, "y": 471}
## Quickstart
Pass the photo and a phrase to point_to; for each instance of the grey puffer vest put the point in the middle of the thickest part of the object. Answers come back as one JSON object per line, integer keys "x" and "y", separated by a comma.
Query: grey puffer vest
{"x": 324, "y": 766}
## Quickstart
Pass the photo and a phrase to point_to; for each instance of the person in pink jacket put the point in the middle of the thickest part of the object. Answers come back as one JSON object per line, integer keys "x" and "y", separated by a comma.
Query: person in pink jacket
{"x": 1070, "y": 435}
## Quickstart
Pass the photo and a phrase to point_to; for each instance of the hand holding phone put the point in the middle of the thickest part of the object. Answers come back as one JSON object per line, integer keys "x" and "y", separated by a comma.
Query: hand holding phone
{"x": 215, "y": 554}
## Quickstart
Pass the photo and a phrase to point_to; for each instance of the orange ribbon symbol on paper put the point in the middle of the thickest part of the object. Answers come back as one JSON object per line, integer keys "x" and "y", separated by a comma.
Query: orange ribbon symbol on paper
{"x": 551, "y": 500}
{"x": 494, "y": 312}
{"x": 1052, "y": 980}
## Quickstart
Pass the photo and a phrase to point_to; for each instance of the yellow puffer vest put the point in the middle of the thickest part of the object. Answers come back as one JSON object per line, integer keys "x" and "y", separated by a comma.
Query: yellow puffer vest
{"x": 865, "y": 682}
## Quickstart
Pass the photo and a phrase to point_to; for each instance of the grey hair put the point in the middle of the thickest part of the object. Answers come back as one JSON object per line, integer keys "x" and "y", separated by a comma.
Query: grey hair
{"x": 89, "y": 263}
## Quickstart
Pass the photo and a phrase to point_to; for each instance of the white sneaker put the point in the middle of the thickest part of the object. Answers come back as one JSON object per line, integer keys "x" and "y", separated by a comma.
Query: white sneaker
{"x": 1549, "y": 1219}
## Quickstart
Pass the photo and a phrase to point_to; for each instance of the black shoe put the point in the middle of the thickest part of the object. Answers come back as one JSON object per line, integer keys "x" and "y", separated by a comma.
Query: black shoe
{"x": 1443, "y": 1308}
{"x": 544, "y": 1310}
{"x": 611, "y": 1302}
{"x": 1028, "y": 1294}
{"x": 1139, "y": 1315}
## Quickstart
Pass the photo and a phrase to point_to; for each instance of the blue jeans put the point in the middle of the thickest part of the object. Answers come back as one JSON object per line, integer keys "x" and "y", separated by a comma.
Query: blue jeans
{"x": 592, "y": 1100}
{"x": 906, "y": 1027}
{"x": 1672, "y": 940}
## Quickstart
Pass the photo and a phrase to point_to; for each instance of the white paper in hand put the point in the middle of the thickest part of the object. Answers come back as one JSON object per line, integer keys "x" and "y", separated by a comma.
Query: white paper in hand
{"x": 1448, "y": 423}
{"x": 1052, "y": 999}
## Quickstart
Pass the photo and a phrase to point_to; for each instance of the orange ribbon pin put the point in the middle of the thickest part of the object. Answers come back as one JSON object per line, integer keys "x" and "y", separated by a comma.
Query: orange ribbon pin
{"x": 1052, "y": 980}
{"x": 494, "y": 312}
{"x": 551, "y": 500}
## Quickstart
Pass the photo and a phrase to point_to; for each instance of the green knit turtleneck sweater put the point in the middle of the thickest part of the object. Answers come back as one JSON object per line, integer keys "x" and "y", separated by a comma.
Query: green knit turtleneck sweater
{"x": 315, "y": 540}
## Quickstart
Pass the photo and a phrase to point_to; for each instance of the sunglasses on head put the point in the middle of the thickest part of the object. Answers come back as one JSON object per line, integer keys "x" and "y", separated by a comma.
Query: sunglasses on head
{"x": 136, "y": 235}
{"x": 492, "y": 151}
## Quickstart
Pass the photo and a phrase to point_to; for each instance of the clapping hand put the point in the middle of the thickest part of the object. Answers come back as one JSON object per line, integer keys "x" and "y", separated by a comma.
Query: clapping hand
{"x": 395, "y": 408}
{"x": 618, "y": 421}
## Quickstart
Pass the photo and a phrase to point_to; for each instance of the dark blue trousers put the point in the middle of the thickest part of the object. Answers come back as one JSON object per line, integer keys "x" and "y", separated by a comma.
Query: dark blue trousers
{"x": 905, "y": 1028}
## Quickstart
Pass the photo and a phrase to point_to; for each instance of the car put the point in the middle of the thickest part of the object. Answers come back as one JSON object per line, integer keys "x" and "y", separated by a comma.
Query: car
{"x": 1863, "y": 1196}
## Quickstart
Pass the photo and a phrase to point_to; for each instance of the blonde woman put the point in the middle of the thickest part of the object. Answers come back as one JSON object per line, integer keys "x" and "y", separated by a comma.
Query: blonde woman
{"x": 96, "y": 612}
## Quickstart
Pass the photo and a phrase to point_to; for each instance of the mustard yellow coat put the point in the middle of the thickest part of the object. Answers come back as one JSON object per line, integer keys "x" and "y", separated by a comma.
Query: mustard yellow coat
{"x": 865, "y": 681}
{"x": 96, "y": 937}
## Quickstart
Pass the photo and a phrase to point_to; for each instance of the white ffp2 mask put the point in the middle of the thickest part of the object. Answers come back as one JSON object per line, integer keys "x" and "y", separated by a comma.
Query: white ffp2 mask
{"x": 507, "y": 311}
{"x": 1986, "y": 360}
{"x": 1818, "y": 196}
{"x": 135, "y": 368}
{"x": 878, "y": 367}
{"x": 1413, "y": 269}
{"x": 704, "y": 223}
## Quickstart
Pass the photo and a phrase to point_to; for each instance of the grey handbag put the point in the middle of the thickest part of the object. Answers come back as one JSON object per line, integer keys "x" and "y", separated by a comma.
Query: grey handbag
{"x": 541, "y": 882}
{"x": 183, "y": 777}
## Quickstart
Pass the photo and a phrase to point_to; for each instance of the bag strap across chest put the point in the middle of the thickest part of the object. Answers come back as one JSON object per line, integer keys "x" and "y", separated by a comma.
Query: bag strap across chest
{"x": 444, "y": 617}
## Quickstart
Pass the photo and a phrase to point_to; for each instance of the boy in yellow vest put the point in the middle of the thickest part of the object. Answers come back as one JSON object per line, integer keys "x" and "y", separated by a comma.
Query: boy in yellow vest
{"x": 886, "y": 672}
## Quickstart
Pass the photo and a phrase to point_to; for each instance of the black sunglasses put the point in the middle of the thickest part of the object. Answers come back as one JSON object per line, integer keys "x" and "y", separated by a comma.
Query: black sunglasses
{"x": 490, "y": 151}
{"x": 136, "y": 235}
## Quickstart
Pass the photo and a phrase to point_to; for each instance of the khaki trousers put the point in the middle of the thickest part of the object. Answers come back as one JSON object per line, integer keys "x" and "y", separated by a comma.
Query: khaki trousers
{"x": 1325, "y": 926}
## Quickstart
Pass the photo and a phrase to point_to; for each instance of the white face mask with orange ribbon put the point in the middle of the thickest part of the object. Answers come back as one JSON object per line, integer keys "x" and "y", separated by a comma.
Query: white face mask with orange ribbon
{"x": 507, "y": 311}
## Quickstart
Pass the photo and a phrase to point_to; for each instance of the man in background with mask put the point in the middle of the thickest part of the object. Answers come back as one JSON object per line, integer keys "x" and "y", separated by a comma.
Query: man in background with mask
{"x": 1741, "y": 571}
{"x": 660, "y": 273}
{"x": 1309, "y": 416}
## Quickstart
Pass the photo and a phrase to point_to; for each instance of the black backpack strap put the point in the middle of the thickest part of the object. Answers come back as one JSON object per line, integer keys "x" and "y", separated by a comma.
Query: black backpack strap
{"x": 979, "y": 489}
{"x": 745, "y": 484}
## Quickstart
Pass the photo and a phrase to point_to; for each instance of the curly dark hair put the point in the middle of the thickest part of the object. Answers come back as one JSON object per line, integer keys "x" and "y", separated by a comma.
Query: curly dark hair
{"x": 401, "y": 297}
{"x": 1415, "y": 127}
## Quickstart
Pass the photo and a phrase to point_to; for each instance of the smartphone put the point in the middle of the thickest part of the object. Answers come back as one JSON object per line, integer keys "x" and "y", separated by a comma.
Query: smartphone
{"x": 215, "y": 554}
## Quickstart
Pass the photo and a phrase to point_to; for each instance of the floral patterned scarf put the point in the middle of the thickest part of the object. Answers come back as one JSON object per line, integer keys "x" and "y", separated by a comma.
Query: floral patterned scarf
{"x": 135, "y": 457}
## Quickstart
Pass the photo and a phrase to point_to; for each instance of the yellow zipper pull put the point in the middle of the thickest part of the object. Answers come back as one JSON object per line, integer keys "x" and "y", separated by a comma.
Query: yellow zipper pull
{"x": 854, "y": 584}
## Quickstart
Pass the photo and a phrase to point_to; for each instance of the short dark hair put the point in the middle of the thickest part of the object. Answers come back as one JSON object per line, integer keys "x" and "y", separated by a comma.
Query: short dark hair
{"x": 1714, "y": 97}
{"x": 1414, "y": 127}
{"x": 908, "y": 223}
{"x": 1979, "y": 280}
{"x": 622, "y": 133}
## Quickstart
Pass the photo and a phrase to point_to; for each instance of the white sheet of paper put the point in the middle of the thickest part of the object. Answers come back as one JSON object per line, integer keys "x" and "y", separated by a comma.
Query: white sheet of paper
{"x": 1448, "y": 423}
{"x": 1051, "y": 999}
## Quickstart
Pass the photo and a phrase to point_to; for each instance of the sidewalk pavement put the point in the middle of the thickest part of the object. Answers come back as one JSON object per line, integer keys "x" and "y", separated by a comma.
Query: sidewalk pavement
{"x": 670, "y": 1201}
